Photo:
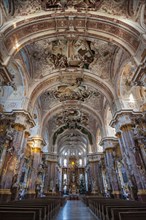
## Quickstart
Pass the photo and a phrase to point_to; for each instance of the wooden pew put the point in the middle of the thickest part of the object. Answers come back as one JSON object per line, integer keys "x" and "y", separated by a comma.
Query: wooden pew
{"x": 52, "y": 205}
{"x": 102, "y": 207}
{"x": 38, "y": 213}
{"x": 116, "y": 211}
{"x": 48, "y": 206}
{"x": 33, "y": 206}
{"x": 17, "y": 215}
{"x": 141, "y": 215}
{"x": 108, "y": 208}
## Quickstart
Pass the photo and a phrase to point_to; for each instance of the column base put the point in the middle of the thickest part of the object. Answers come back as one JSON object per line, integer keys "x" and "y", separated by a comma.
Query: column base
{"x": 116, "y": 194}
{"x": 30, "y": 195}
{"x": 50, "y": 193}
{"x": 5, "y": 195}
{"x": 142, "y": 195}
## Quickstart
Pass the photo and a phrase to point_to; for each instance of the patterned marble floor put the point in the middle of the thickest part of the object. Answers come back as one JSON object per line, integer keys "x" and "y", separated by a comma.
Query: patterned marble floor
{"x": 75, "y": 210}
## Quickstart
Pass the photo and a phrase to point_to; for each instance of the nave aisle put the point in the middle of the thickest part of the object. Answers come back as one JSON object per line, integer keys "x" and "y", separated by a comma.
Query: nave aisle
{"x": 75, "y": 210}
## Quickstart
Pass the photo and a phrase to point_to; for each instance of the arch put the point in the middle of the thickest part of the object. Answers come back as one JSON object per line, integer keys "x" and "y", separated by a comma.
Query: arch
{"x": 54, "y": 80}
{"x": 84, "y": 130}
{"x": 96, "y": 26}
{"x": 57, "y": 108}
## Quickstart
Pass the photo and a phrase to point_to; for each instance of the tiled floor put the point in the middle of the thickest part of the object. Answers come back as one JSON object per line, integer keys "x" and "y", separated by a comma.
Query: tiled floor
{"x": 75, "y": 210}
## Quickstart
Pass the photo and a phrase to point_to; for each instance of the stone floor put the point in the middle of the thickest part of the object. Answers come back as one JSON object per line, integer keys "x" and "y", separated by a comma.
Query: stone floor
{"x": 75, "y": 210}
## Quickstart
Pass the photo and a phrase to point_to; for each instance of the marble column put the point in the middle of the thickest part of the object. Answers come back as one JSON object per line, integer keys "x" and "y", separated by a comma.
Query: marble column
{"x": 94, "y": 177}
{"x": 53, "y": 176}
{"x": 10, "y": 168}
{"x": 99, "y": 178}
{"x": 124, "y": 122}
{"x": 109, "y": 145}
{"x": 138, "y": 172}
{"x": 9, "y": 182}
{"x": 104, "y": 184}
{"x": 47, "y": 178}
{"x": 36, "y": 144}
{"x": 140, "y": 136}
{"x": 3, "y": 155}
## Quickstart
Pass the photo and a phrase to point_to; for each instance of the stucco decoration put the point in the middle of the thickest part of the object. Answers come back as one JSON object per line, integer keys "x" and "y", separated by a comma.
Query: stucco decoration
{"x": 74, "y": 91}
{"x": 47, "y": 56}
{"x": 12, "y": 99}
{"x": 72, "y": 3}
{"x": 108, "y": 6}
{"x": 48, "y": 100}
{"x": 26, "y": 7}
{"x": 95, "y": 101}
{"x": 104, "y": 53}
{"x": 114, "y": 7}
{"x": 72, "y": 116}
{"x": 61, "y": 54}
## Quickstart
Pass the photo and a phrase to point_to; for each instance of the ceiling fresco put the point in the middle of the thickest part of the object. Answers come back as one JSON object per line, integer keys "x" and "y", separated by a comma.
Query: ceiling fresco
{"x": 72, "y": 116}
{"x": 47, "y": 56}
{"x": 116, "y": 7}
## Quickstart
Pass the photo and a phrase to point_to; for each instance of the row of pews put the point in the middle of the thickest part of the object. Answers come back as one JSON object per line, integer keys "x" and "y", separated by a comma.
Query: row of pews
{"x": 32, "y": 209}
{"x": 115, "y": 209}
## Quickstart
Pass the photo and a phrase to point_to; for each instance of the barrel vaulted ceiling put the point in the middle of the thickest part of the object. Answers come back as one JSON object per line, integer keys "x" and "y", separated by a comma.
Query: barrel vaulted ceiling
{"x": 73, "y": 54}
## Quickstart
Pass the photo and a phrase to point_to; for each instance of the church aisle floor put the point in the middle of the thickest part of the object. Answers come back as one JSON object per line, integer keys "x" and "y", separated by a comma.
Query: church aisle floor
{"x": 75, "y": 210}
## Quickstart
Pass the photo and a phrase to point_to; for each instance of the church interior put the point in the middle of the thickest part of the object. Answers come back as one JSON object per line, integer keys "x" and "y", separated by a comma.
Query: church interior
{"x": 72, "y": 109}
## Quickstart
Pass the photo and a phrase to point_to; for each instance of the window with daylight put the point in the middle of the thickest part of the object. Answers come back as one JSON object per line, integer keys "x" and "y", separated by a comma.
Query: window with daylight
{"x": 80, "y": 162}
{"x": 65, "y": 162}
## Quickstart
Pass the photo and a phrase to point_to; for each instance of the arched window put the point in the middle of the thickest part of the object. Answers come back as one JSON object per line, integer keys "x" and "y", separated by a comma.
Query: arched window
{"x": 108, "y": 117}
{"x": 80, "y": 162}
{"x": 9, "y": 7}
{"x": 98, "y": 139}
{"x": 65, "y": 162}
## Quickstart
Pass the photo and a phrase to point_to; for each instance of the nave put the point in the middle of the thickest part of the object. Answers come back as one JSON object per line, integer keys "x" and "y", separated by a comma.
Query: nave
{"x": 75, "y": 210}
{"x": 72, "y": 108}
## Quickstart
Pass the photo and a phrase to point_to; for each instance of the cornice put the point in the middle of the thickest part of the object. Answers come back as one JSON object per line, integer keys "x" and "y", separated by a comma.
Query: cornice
{"x": 105, "y": 140}
{"x": 27, "y": 117}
